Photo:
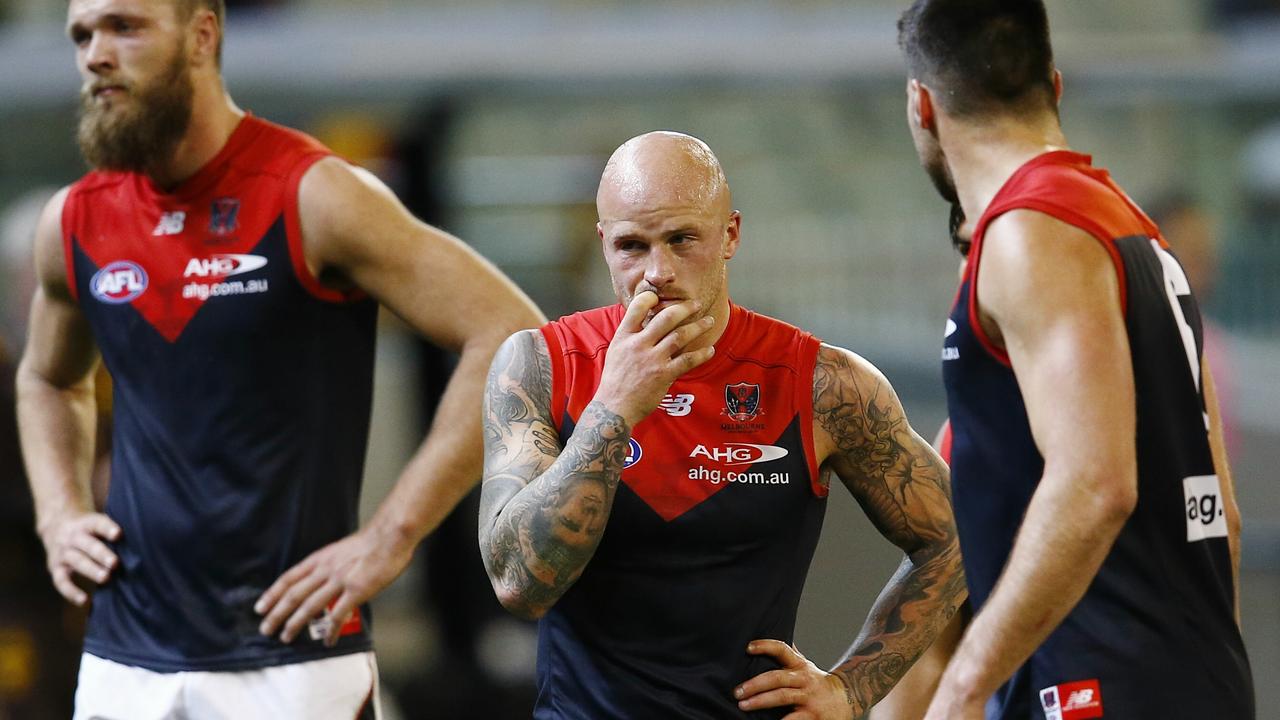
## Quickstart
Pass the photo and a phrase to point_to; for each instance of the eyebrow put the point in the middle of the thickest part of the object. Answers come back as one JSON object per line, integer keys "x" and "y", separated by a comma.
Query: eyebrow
{"x": 107, "y": 19}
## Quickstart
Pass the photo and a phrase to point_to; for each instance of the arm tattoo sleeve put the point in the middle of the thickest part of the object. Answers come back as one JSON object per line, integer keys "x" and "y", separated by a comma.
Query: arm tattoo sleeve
{"x": 904, "y": 488}
{"x": 543, "y": 510}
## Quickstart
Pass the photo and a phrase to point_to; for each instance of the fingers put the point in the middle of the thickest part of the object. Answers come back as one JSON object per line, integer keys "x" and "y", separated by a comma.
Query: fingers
{"x": 782, "y": 697}
{"x": 68, "y": 589}
{"x": 680, "y": 338}
{"x": 670, "y": 317}
{"x": 637, "y": 311}
{"x": 311, "y": 608}
{"x": 282, "y": 584}
{"x": 79, "y": 562}
{"x": 778, "y": 650}
{"x": 767, "y": 681}
{"x": 339, "y": 615}
{"x": 103, "y": 527}
{"x": 294, "y": 595}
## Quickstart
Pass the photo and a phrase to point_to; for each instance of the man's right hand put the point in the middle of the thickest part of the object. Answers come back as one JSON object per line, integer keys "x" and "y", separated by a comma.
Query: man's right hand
{"x": 643, "y": 360}
{"x": 76, "y": 552}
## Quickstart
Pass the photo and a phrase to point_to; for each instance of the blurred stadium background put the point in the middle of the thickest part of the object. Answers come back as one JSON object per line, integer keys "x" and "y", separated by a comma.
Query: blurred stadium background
{"x": 493, "y": 120}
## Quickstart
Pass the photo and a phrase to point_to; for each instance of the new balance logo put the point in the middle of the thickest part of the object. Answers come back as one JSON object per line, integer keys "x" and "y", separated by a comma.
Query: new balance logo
{"x": 171, "y": 223}
{"x": 677, "y": 405}
{"x": 1079, "y": 699}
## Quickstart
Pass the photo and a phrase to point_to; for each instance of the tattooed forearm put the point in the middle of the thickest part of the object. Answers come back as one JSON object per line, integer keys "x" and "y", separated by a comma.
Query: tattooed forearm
{"x": 903, "y": 486}
{"x": 542, "y": 516}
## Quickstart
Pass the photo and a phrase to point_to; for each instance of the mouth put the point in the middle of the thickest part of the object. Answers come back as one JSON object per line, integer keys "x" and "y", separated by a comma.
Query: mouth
{"x": 107, "y": 91}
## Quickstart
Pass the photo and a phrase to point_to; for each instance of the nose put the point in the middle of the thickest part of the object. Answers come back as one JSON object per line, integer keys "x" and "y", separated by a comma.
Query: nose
{"x": 660, "y": 270}
{"x": 99, "y": 54}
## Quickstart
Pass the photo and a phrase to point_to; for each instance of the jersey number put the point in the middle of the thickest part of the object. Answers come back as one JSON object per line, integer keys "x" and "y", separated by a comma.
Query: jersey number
{"x": 1176, "y": 287}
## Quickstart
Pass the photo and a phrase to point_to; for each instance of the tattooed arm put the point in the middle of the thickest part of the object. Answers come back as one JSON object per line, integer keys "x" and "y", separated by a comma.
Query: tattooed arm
{"x": 904, "y": 487}
{"x": 543, "y": 509}
{"x": 861, "y": 434}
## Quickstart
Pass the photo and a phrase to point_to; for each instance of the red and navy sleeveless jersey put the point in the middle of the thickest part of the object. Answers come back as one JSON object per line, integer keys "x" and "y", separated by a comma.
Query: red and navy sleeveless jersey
{"x": 242, "y": 398}
{"x": 1155, "y": 634}
{"x": 713, "y": 527}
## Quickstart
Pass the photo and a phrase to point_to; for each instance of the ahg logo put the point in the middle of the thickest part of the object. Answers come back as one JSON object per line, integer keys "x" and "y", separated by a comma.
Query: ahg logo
{"x": 739, "y": 453}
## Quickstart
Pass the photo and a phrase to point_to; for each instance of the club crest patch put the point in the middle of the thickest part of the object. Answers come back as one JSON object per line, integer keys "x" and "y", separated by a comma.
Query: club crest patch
{"x": 742, "y": 401}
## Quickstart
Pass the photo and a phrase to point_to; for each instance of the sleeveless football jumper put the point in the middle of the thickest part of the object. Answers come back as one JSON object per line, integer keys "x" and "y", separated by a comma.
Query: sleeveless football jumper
{"x": 713, "y": 527}
{"x": 242, "y": 398}
{"x": 1155, "y": 634}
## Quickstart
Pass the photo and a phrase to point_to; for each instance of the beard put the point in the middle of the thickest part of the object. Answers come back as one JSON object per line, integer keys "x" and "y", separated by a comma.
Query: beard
{"x": 935, "y": 166}
{"x": 137, "y": 137}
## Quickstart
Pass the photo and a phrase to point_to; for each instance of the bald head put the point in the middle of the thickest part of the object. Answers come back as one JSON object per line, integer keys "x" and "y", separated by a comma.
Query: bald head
{"x": 662, "y": 169}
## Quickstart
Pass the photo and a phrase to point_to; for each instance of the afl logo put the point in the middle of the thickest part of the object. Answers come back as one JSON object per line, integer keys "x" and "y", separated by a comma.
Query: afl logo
{"x": 634, "y": 452}
{"x": 119, "y": 282}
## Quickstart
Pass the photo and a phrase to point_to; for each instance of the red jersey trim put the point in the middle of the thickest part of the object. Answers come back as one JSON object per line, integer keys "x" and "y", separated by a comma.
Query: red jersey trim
{"x": 559, "y": 384}
{"x": 1057, "y": 211}
{"x": 293, "y": 233}
{"x": 808, "y": 362}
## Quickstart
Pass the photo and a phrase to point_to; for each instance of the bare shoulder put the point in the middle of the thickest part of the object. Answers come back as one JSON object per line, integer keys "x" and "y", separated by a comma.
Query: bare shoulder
{"x": 519, "y": 385}
{"x": 48, "y": 250}
{"x": 339, "y": 201}
{"x": 851, "y": 400}
{"x": 1035, "y": 264}
{"x": 1021, "y": 248}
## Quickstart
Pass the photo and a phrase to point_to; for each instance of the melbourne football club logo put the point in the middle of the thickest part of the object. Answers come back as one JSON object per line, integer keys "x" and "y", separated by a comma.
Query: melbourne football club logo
{"x": 223, "y": 215}
{"x": 634, "y": 451}
{"x": 742, "y": 401}
{"x": 118, "y": 282}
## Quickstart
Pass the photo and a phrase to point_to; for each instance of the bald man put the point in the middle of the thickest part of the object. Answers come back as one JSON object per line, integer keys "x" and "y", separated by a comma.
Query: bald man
{"x": 704, "y": 437}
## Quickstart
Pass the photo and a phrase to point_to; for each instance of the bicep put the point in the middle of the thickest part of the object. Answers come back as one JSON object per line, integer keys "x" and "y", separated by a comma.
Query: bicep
{"x": 1054, "y": 292}
{"x": 60, "y": 348}
{"x": 353, "y": 224}
{"x": 898, "y": 479}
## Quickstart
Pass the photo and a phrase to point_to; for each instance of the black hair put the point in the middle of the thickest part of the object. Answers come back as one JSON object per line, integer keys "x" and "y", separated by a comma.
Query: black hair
{"x": 981, "y": 57}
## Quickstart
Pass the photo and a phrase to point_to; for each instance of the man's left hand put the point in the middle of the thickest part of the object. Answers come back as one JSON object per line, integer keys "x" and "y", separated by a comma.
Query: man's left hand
{"x": 349, "y": 571}
{"x": 813, "y": 693}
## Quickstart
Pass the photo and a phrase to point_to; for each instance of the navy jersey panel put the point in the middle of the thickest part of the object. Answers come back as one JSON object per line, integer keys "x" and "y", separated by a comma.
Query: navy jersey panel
{"x": 1154, "y": 635}
{"x": 693, "y": 565}
{"x": 240, "y": 421}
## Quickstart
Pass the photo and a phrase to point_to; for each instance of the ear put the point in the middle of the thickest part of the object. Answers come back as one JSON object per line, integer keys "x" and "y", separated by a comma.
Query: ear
{"x": 732, "y": 235}
{"x": 600, "y": 231}
{"x": 204, "y": 33}
{"x": 1057, "y": 86}
{"x": 920, "y": 105}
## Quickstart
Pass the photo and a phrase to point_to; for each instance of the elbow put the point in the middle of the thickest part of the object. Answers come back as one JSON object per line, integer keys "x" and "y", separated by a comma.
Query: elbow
{"x": 1116, "y": 498}
{"x": 514, "y": 599}
{"x": 517, "y": 604}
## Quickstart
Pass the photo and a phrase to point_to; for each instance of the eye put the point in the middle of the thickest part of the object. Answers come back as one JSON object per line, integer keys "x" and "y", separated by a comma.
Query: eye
{"x": 80, "y": 36}
{"x": 628, "y": 246}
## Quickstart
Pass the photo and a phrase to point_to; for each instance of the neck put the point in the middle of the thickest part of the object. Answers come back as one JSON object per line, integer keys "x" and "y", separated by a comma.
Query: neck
{"x": 983, "y": 154}
{"x": 213, "y": 118}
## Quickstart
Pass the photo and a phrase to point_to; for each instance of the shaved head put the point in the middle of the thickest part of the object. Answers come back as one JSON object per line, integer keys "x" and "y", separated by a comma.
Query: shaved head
{"x": 662, "y": 168}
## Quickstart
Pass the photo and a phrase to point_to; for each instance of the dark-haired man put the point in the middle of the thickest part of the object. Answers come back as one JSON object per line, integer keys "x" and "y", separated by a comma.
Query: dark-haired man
{"x": 1095, "y": 507}
{"x": 226, "y": 269}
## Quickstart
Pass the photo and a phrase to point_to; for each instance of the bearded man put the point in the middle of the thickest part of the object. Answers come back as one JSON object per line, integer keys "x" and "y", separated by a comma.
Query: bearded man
{"x": 228, "y": 271}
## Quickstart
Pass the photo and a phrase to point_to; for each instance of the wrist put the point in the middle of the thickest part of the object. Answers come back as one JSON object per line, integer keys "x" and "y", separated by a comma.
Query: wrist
{"x": 396, "y": 534}
{"x": 614, "y": 404}
{"x": 844, "y": 686}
